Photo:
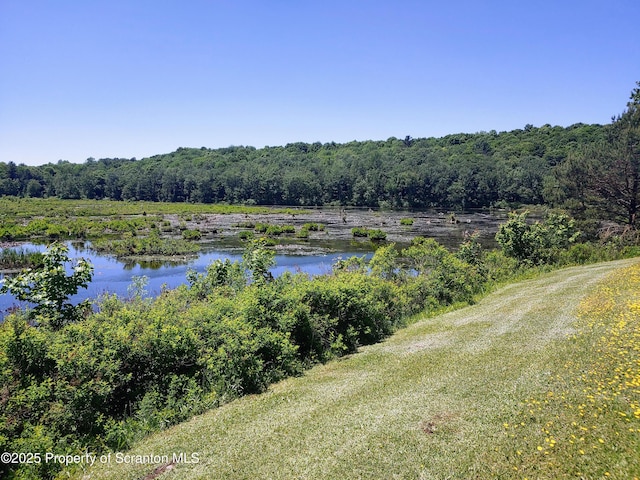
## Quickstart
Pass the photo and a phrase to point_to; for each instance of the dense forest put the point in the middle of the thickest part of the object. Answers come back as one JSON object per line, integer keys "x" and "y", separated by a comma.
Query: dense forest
{"x": 455, "y": 171}
{"x": 591, "y": 170}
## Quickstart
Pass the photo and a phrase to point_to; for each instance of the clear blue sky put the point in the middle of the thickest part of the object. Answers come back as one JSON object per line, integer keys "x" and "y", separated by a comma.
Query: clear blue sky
{"x": 134, "y": 78}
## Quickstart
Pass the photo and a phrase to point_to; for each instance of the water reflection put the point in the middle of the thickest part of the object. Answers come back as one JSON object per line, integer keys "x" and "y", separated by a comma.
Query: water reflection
{"x": 114, "y": 276}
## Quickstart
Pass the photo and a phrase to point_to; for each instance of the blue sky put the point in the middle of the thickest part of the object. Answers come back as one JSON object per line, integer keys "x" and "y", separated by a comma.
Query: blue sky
{"x": 134, "y": 78}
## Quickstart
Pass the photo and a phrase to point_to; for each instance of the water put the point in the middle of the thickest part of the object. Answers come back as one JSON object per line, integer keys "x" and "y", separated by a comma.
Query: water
{"x": 115, "y": 276}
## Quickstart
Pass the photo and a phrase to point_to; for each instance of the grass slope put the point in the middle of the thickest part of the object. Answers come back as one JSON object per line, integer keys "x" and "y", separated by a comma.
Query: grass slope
{"x": 432, "y": 402}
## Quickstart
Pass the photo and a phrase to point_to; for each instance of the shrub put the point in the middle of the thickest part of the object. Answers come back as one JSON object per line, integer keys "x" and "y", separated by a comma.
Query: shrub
{"x": 470, "y": 251}
{"x": 191, "y": 234}
{"x": 406, "y": 221}
{"x": 376, "y": 235}
{"x": 219, "y": 274}
{"x": 365, "y": 309}
{"x": 373, "y": 234}
{"x": 384, "y": 263}
{"x": 536, "y": 243}
{"x": 258, "y": 260}
{"x": 424, "y": 254}
{"x": 152, "y": 244}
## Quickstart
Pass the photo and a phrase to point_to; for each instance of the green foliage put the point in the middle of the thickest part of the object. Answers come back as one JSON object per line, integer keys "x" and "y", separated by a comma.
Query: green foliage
{"x": 455, "y": 171}
{"x": 372, "y": 234}
{"x": 245, "y": 235}
{"x": 351, "y": 264}
{"x": 424, "y": 254}
{"x": 274, "y": 230}
{"x": 219, "y": 274}
{"x": 470, "y": 250}
{"x": 49, "y": 287}
{"x": 376, "y": 235}
{"x": 406, "y": 221}
{"x": 303, "y": 233}
{"x": 258, "y": 260}
{"x": 313, "y": 227}
{"x": 151, "y": 244}
{"x": 539, "y": 242}
{"x": 359, "y": 232}
{"x": 384, "y": 263}
{"x": 191, "y": 234}
{"x": 442, "y": 277}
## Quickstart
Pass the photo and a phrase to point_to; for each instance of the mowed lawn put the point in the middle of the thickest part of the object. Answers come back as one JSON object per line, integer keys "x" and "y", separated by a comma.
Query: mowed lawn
{"x": 500, "y": 389}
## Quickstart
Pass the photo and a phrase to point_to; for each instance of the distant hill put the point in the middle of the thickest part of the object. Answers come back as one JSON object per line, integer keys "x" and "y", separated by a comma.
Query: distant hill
{"x": 455, "y": 172}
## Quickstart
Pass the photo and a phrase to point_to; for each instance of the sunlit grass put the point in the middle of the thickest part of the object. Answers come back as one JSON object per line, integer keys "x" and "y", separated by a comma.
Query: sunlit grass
{"x": 587, "y": 423}
{"x": 33, "y": 207}
{"x": 473, "y": 393}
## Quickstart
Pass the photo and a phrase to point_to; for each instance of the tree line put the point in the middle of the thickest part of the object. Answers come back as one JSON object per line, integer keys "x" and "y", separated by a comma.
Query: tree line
{"x": 592, "y": 170}
{"x": 455, "y": 171}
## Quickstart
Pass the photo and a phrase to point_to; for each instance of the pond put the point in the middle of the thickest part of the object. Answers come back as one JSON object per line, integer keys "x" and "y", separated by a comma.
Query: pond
{"x": 314, "y": 256}
{"x": 112, "y": 275}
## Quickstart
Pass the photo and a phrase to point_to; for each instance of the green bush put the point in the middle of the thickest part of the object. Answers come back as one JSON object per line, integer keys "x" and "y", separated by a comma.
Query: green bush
{"x": 191, "y": 234}
{"x": 406, "y": 221}
{"x": 536, "y": 243}
{"x": 373, "y": 234}
{"x": 384, "y": 263}
{"x": 376, "y": 235}
{"x": 501, "y": 267}
{"x": 360, "y": 309}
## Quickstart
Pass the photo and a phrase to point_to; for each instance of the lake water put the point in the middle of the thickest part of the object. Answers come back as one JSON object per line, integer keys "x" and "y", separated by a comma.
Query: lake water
{"x": 115, "y": 276}
{"x": 314, "y": 257}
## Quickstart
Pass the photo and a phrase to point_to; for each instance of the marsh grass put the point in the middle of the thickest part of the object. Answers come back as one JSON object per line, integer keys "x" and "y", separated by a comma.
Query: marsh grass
{"x": 437, "y": 400}
{"x": 12, "y": 207}
{"x": 151, "y": 244}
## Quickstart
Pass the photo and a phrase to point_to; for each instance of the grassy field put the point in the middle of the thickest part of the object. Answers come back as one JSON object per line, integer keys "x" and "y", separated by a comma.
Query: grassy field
{"x": 541, "y": 379}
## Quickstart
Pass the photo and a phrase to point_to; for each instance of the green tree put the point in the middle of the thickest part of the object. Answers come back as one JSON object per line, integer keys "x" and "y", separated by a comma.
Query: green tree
{"x": 49, "y": 287}
{"x": 616, "y": 180}
{"x": 34, "y": 189}
{"x": 605, "y": 176}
